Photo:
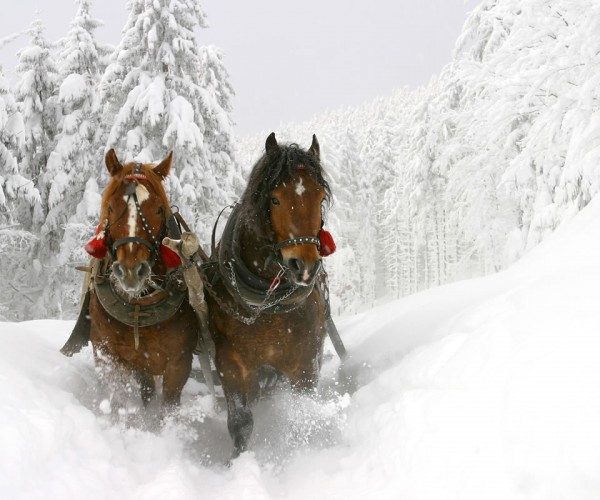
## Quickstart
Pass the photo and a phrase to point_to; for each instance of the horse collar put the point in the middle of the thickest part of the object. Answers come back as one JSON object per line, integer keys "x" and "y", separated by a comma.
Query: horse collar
{"x": 150, "y": 310}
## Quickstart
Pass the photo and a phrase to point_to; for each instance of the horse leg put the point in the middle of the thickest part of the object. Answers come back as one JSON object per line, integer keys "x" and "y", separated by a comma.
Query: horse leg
{"x": 240, "y": 422}
{"x": 174, "y": 378}
{"x": 307, "y": 378}
{"x": 241, "y": 389}
{"x": 147, "y": 386}
{"x": 116, "y": 377}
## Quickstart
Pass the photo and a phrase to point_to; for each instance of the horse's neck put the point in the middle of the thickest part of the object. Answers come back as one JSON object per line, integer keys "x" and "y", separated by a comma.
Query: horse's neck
{"x": 256, "y": 251}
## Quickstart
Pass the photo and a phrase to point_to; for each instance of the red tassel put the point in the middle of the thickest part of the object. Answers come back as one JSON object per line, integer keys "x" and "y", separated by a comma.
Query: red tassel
{"x": 97, "y": 247}
{"x": 169, "y": 257}
{"x": 327, "y": 243}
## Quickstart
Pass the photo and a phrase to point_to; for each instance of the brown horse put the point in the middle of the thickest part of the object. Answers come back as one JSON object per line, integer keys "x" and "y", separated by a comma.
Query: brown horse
{"x": 267, "y": 304}
{"x": 141, "y": 322}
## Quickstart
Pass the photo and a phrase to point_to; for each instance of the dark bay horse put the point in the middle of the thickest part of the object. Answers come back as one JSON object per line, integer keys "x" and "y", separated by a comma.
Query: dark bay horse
{"x": 266, "y": 286}
{"x": 141, "y": 324}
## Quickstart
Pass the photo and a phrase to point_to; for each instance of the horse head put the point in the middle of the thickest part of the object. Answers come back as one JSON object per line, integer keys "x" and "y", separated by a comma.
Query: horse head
{"x": 134, "y": 213}
{"x": 295, "y": 194}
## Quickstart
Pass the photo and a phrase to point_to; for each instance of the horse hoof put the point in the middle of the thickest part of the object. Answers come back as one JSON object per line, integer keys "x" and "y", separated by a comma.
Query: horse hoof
{"x": 236, "y": 453}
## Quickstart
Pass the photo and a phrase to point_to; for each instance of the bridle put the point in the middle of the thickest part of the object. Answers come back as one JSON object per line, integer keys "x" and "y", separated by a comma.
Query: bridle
{"x": 150, "y": 307}
{"x": 154, "y": 247}
{"x": 276, "y": 247}
{"x": 301, "y": 240}
{"x": 255, "y": 294}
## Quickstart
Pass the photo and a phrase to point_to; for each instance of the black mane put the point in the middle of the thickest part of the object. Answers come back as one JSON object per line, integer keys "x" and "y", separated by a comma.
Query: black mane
{"x": 272, "y": 169}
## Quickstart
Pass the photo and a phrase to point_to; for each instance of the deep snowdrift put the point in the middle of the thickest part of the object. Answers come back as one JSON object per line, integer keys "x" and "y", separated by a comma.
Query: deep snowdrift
{"x": 488, "y": 388}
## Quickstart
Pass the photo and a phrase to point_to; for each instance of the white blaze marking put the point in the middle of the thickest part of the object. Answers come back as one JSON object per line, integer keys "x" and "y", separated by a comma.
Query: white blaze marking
{"x": 300, "y": 187}
{"x": 142, "y": 195}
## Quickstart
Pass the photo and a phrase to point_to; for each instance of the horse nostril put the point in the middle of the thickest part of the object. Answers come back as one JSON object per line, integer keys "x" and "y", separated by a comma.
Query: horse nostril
{"x": 142, "y": 270}
{"x": 118, "y": 270}
{"x": 296, "y": 265}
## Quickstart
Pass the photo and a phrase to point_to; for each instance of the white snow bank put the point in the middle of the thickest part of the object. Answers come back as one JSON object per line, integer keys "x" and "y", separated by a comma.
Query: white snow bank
{"x": 482, "y": 389}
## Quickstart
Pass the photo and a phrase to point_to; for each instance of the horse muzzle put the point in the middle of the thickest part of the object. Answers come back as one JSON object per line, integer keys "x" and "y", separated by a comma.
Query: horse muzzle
{"x": 300, "y": 271}
{"x": 131, "y": 279}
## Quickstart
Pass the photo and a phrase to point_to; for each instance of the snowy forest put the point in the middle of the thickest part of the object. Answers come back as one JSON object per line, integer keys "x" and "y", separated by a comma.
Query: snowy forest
{"x": 455, "y": 179}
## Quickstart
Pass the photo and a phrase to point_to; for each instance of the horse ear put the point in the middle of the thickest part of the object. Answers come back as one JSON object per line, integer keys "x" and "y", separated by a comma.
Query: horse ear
{"x": 315, "y": 149}
{"x": 271, "y": 143}
{"x": 112, "y": 162}
{"x": 164, "y": 167}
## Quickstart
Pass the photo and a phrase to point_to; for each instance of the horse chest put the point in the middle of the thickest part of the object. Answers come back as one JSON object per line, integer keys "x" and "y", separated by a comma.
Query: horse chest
{"x": 292, "y": 339}
{"x": 159, "y": 344}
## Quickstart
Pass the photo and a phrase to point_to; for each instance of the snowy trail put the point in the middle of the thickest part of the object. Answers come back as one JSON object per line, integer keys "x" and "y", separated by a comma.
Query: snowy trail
{"x": 487, "y": 388}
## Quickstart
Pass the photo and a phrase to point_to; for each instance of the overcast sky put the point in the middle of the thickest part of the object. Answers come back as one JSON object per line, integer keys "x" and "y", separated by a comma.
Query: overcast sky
{"x": 291, "y": 60}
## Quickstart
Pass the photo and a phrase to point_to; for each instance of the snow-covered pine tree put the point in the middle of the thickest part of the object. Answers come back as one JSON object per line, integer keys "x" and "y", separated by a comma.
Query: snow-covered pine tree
{"x": 163, "y": 93}
{"x": 13, "y": 185}
{"x": 492, "y": 155}
{"x": 36, "y": 94}
{"x": 217, "y": 107}
{"x": 555, "y": 170}
{"x": 389, "y": 163}
{"x": 528, "y": 73}
{"x": 380, "y": 162}
{"x": 75, "y": 163}
{"x": 341, "y": 159}
{"x": 365, "y": 228}
{"x": 15, "y": 189}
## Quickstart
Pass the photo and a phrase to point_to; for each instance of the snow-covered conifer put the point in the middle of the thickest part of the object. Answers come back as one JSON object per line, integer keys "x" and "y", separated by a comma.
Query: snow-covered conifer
{"x": 13, "y": 185}
{"x": 76, "y": 162}
{"x": 165, "y": 92}
{"x": 17, "y": 195}
{"x": 36, "y": 94}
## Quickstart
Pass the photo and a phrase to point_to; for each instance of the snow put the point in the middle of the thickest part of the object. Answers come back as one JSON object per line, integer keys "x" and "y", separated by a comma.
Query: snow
{"x": 485, "y": 388}
{"x": 181, "y": 125}
{"x": 300, "y": 187}
{"x": 74, "y": 87}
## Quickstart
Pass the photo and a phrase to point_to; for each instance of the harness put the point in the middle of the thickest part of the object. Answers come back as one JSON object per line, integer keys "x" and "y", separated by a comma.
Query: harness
{"x": 255, "y": 294}
{"x": 131, "y": 194}
{"x": 157, "y": 306}
{"x": 298, "y": 241}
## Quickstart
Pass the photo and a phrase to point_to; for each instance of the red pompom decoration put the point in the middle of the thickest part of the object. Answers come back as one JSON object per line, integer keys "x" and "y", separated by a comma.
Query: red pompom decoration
{"x": 169, "y": 257}
{"x": 327, "y": 243}
{"x": 97, "y": 247}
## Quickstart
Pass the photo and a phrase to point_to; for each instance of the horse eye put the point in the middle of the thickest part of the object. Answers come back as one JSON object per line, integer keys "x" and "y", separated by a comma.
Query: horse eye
{"x": 275, "y": 201}
{"x": 110, "y": 209}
